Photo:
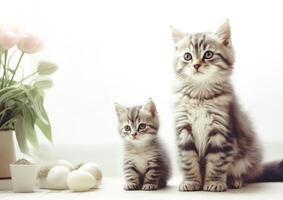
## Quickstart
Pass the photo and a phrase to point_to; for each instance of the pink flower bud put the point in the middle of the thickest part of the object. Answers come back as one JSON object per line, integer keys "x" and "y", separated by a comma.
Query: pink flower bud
{"x": 30, "y": 43}
{"x": 8, "y": 38}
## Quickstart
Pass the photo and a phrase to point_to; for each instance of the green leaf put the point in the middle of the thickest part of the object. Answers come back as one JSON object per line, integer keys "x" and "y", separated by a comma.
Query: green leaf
{"x": 29, "y": 127}
{"x": 32, "y": 96}
{"x": 45, "y": 129}
{"x": 20, "y": 134}
{"x": 42, "y": 125}
{"x": 10, "y": 91}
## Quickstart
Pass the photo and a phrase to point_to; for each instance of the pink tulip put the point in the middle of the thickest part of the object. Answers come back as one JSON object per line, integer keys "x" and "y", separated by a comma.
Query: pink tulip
{"x": 30, "y": 43}
{"x": 8, "y": 38}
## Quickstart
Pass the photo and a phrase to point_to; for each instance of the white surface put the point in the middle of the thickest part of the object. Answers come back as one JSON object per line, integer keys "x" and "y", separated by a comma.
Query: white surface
{"x": 112, "y": 188}
{"x": 5, "y": 184}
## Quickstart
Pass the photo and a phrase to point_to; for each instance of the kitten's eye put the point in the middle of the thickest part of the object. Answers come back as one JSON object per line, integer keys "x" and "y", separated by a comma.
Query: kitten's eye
{"x": 142, "y": 126}
{"x": 208, "y": 55}
{"x": 127, "y": 128}
{"x": 187, "y": 56}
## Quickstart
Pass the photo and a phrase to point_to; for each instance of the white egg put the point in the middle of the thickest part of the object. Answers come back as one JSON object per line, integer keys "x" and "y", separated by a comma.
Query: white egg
{"x": 94, "y": 169}
{"x": 65, "y": 163}
{"x": 79, "y": 181}
{"x": 57, "y": 178}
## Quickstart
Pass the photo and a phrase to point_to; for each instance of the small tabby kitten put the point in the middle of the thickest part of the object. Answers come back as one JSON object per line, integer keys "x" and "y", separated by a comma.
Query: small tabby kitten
{"x": 217, "y": 145}
{"x": 145, "y": 162}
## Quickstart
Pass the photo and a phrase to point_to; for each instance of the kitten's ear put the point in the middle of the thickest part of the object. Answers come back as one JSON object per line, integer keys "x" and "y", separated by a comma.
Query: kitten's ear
{"x": 224, "y": 34}
{"x": 176, "y": 34}
{"x": 150, "y": 107}
{"x": 120, "y": 110}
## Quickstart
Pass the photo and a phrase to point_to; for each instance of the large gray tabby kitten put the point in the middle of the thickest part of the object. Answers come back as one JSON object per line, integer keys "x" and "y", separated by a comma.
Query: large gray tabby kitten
{"x": 145, "y": 162}
{"x": 217, "y": 145}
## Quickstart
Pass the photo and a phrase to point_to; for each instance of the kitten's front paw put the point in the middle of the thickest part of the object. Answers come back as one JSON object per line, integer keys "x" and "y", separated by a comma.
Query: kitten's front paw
{"x": 131, "y": 186}
{"x": 187, "y": 186}
{"x": 149, "y": 187}
{"x": 235, "y": 183}
{"x": 215, "y": 186}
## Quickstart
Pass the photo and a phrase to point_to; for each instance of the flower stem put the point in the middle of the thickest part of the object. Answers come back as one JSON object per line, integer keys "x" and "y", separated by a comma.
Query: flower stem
{"x": 11, "y": 56}
{"x": 25, "y": 78}
{"x": 18, "y": 64}
{"x": 4, "y": 77}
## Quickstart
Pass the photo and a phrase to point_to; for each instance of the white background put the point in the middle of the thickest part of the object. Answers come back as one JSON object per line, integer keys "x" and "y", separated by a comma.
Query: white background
{"x": 121, "y": 51}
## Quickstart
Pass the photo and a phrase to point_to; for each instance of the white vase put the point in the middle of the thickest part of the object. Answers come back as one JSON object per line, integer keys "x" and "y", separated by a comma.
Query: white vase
{"x": 23, "y": 177}
{"x": 7, "y": 153}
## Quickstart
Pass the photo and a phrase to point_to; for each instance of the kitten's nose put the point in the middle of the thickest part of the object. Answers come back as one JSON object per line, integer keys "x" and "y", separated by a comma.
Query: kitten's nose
{"x": 134, "y": 134}
{"x": 196, "y": 66}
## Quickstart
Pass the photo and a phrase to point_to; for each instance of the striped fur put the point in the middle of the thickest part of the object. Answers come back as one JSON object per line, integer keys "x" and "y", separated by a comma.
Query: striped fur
{"x": 217, "y": 145}
{"x": 146, "y": 165}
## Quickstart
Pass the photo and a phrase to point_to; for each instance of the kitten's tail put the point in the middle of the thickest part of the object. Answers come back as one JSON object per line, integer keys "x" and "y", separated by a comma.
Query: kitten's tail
{"x": 272, "y": 172}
